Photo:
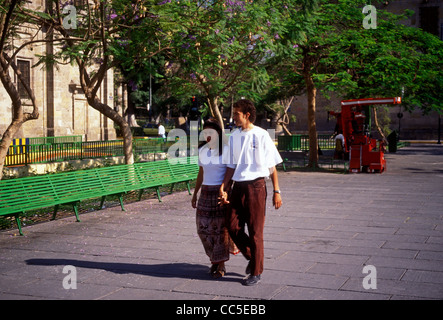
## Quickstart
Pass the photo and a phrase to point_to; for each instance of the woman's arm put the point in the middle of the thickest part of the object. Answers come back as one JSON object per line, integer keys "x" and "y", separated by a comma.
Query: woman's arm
{"x": 197, "y": 187}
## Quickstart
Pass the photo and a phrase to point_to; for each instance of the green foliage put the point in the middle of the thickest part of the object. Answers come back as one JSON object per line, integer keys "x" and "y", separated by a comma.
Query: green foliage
{"x": 254, "y": 49}
{"x": 383, "y": 61}
{"x": 218, "y": 45}
{"x": 390, "y": 60}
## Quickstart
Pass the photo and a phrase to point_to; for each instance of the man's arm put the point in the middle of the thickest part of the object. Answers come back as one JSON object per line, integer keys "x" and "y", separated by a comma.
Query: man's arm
{"x": 276, "y": 198}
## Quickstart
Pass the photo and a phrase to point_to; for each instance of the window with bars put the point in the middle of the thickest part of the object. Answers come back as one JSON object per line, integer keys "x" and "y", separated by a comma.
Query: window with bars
{"x": 24, "y": 66}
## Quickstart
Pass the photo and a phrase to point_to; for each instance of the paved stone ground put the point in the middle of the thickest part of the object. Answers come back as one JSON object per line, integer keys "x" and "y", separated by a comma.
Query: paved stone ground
{"x": 316, "y": 246}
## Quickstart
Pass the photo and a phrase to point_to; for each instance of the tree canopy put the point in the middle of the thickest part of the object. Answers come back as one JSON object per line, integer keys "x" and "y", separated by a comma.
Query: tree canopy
{"x": 219, "y": 44}
{"x": 336, "y": 53}
{"x": 262, "y": 49}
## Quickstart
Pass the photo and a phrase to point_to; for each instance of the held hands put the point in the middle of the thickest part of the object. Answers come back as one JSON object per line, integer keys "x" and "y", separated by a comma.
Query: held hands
{"x": 223, "y": 198}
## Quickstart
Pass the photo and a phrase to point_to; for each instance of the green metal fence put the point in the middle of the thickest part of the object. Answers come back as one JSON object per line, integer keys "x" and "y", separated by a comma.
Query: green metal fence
{"x": 299, "y": 142}
{"x": 52, "y": 140}
{"x": 53, "y": 149}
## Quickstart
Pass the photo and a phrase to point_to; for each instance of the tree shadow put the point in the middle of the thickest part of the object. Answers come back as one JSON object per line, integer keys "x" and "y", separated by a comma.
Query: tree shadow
{"x": 162, "y": 270}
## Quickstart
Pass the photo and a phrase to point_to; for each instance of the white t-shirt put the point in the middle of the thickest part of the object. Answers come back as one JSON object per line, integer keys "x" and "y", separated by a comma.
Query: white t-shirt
{"x": 252, "y": 154}
{"x": 212, "y": 163}
{"x": 341, "y": 137}
{"x": 161, "y": 130}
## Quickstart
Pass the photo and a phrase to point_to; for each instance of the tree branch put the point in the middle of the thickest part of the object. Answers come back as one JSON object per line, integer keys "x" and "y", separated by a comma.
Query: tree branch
{"x": 5, "y": 24}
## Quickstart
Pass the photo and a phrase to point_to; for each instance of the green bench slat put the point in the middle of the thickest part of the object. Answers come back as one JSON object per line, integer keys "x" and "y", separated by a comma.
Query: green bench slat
{"x": 28, "y": 193}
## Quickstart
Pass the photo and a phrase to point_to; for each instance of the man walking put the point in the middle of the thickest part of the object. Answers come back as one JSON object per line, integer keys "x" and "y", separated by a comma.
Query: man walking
{"x": 161, "y": 131}
{"x": 252, "y": 156}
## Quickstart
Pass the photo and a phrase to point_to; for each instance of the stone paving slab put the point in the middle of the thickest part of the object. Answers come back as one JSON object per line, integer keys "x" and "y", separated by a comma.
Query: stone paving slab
{"x": 316, "y": 246}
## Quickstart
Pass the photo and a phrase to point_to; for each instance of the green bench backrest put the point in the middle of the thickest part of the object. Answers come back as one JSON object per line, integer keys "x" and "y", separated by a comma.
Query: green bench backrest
{"x": 184, "y": 169}
{"x": 19, "y": 194}
{"x": 22, "y": 194}
{"x": 152, "y": 174}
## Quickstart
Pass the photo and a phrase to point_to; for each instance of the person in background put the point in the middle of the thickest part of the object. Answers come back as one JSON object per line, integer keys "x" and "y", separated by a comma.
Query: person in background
{"x": 161, "y": 131}
{"x": 339, "y": 146}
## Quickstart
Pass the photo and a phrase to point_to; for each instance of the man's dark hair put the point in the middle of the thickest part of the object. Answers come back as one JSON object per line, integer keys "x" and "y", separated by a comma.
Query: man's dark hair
{"x": 245, "y": 106}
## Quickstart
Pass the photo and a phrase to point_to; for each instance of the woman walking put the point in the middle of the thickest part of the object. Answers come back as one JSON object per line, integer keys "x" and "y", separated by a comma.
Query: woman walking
{"x": 210, "y": 216}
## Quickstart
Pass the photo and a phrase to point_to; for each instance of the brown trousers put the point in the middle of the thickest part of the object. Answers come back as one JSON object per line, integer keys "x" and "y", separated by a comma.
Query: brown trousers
{"x": 248, "y": 206}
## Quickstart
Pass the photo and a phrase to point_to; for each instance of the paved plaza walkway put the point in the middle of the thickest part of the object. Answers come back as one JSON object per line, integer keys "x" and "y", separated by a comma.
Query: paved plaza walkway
{"x": 317, "y": 245}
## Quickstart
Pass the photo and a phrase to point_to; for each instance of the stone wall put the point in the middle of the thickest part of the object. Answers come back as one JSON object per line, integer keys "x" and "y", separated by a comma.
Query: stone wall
{"x": 63, "y": 108}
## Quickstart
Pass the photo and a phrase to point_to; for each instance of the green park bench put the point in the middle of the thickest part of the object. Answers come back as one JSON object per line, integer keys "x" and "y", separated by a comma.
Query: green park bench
{"x": 69, "y": 188}
{"x": 167, "y": 172}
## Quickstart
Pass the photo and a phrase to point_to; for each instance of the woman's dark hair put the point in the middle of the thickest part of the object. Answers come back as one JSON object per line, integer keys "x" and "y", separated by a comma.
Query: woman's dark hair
{"x": 245, "y": 106}
{"x": 213, "y": 124}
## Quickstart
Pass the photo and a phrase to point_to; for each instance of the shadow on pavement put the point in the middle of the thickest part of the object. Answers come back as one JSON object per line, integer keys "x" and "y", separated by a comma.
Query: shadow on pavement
{"x": 163, "y": 270}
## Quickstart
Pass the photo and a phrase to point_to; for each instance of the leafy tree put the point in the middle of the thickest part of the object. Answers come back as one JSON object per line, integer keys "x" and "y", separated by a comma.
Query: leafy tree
{"x": 218, "y": 44}
{"x": 105, "y": 35}
{"x": 388, "y": 60}
{"x": 338, "y": 54}
{"x": 10, "y": 20}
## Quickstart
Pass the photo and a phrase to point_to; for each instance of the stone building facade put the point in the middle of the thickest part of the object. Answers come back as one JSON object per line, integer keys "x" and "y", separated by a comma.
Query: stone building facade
{"x": 63, "y": 108}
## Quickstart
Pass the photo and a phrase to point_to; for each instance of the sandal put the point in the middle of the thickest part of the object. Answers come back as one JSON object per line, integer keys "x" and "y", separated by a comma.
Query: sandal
{"x": 213, "y": 268}
{"x": 218, "y": 272}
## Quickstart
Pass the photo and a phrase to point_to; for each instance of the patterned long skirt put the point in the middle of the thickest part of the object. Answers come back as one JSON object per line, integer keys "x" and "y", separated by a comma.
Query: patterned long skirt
{"x": 211, "y": 226}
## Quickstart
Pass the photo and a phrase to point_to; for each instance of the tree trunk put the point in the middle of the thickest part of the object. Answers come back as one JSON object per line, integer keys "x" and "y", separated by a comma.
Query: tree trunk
{"x": 8, "y": 135}
{"x": 18, "y": 115}
{"x": 215, "y": 111}
{"x": 129, "y": 113}
{"x": 120, "y": 121}
{"x": 91, "y": 96}
{"x": 377, "y": 126}
{"x": 132, "y": 122}
{"x": 283, "y": 120}
{"x": 285, "y": 129}
{"x": 312, "y": 127}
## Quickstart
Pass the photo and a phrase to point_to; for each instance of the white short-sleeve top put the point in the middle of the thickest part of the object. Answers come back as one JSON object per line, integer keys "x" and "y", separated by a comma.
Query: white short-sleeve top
{"x": 252, "y": 154}
{"x": 212, "y": 163}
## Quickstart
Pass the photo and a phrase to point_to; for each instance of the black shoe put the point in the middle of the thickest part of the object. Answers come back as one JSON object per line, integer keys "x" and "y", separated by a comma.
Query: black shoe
{"x": 251, "y": 280}
{"x": 248, "y": 268}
